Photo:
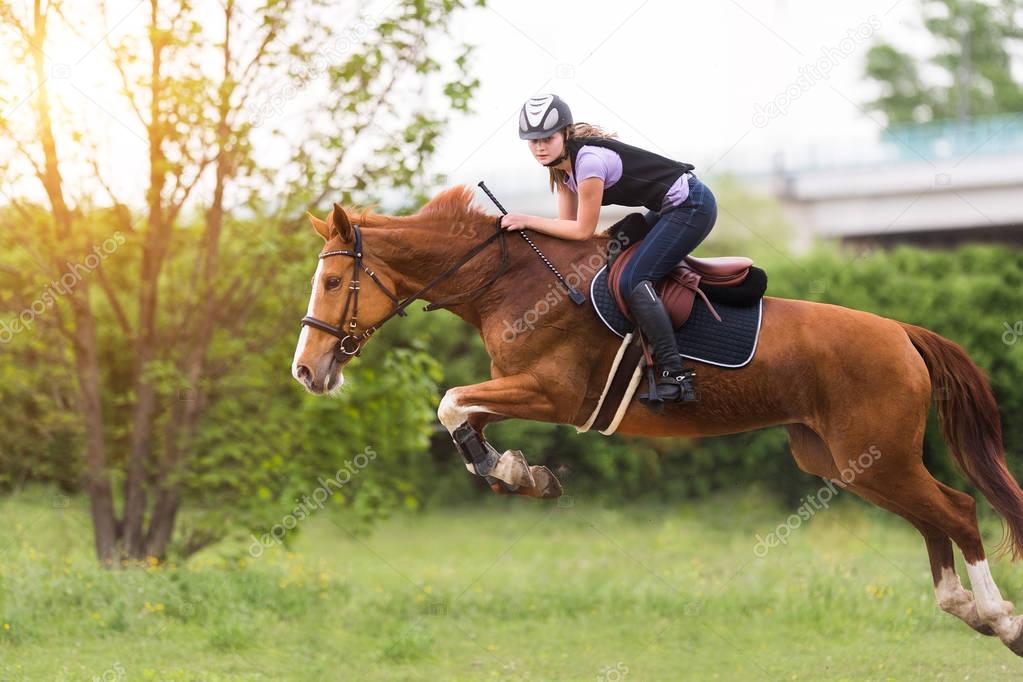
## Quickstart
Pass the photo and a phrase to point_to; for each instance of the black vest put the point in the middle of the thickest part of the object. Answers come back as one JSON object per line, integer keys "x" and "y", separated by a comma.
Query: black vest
{"x": 646, "y": 176}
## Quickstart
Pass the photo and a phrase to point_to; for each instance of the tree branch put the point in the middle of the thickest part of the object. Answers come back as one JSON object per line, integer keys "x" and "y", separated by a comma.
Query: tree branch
{"x": 174, "y": 205}
{"x": 115, "y": 303}
{"x": 7, "y": 15}
{"x": 123, "y": 217}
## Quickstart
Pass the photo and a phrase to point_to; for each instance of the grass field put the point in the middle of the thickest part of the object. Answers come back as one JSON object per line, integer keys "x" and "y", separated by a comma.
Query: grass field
{"x": 510, "y": 590}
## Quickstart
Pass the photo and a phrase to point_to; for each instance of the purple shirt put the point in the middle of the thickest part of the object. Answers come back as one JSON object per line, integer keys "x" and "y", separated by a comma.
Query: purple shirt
{"x": 600, "y": 162}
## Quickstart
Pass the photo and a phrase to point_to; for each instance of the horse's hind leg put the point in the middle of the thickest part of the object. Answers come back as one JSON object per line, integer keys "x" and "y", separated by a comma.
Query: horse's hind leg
{"x": 898, "y": 475}
{"x": 814, "y": 457}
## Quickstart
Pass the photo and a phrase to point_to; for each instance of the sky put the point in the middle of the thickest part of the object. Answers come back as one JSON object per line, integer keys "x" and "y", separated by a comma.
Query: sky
{"x": 723, "y": 85}
{"x": 690, "y": 80}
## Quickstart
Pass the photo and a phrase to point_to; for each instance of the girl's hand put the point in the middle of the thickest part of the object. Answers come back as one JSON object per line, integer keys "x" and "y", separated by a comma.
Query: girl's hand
{"x": 515, "y": 221}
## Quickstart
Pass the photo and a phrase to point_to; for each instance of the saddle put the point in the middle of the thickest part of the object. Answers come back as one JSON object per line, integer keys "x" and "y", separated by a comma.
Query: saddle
{"x": 692, "y": 277}
{"x": 724, "y": 340}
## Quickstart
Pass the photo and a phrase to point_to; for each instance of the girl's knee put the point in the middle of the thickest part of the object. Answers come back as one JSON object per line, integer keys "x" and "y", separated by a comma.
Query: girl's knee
{"x": 630, "y": 279}
{"x": 625, "y": 283}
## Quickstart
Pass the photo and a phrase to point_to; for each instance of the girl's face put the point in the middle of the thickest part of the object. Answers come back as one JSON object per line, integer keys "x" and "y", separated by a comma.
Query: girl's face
{"x": 546, "y": 149}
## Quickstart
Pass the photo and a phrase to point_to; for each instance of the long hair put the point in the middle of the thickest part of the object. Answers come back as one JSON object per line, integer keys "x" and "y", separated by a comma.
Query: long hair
{"x": 557, "y": 175}
{"x": 968, "y": 414}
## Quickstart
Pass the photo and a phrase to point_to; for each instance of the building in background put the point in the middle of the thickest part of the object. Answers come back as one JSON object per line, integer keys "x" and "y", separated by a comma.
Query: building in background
{"x": 935, "y": 184}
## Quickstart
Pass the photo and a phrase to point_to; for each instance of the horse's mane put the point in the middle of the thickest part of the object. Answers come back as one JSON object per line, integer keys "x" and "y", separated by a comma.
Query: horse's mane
{"x": 451, "y": 205}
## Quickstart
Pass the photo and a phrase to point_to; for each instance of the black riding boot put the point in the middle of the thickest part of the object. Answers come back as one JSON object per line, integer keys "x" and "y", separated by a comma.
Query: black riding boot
{"x": 671, "y": 381}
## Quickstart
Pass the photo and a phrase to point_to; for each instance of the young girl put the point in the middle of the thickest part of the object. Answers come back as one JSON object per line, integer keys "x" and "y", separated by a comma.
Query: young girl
{"x": 591, "y": 169}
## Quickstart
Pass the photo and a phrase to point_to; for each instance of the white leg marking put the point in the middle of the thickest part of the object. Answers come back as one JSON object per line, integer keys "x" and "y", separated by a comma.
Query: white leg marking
{"x": 955, "y": 599}
{"x": 951, "y": 595}
{"x": 452, "y": 414}
{"x": 994, "y": 610}
{"x": 448, "y": 412}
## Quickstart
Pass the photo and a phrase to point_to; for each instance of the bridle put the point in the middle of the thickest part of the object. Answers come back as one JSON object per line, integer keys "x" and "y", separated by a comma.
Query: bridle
{"x": 349, "y": 343}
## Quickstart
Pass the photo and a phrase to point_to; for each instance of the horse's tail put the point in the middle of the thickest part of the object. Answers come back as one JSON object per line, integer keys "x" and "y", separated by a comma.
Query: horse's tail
{"x": 968, "y": 414}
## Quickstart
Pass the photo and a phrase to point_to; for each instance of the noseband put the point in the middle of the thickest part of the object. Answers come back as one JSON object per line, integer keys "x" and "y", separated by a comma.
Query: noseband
{"x": 349, "y": 343}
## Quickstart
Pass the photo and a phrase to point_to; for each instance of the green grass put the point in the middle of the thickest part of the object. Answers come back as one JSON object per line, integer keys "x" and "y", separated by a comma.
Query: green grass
{"x": 510, "y": 590}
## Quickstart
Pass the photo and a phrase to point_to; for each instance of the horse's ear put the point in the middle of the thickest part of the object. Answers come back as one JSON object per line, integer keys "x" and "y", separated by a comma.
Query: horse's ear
{"x": 322, "y": 228}
{"x": 340, "y": 223}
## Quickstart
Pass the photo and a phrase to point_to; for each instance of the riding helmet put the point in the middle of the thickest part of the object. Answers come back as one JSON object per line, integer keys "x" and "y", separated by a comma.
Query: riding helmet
{"x": 543, "y": 116}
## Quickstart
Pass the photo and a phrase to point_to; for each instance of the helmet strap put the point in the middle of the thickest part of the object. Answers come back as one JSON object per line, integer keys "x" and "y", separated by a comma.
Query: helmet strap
{"x": 555, "y": 162}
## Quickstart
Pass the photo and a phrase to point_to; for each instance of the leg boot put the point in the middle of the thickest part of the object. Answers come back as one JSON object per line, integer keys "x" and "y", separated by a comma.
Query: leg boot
{"x": 672, "y": 383}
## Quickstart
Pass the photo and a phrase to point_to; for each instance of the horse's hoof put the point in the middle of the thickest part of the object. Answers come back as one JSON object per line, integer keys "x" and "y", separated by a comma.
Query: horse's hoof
{"x": 985, "y": 630}
{"x": 1014, "y": 639}
{"x": 547, "y": 484}
{"x": 1016, "y": 645}
{"x": 513, "y": 469}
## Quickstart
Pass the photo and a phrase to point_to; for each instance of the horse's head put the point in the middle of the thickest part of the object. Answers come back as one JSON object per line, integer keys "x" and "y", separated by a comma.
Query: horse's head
{"x": 344, "y": 299}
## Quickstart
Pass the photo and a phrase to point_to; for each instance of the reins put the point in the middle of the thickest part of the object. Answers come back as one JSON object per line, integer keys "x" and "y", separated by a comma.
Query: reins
{"x": 348, "y": 337}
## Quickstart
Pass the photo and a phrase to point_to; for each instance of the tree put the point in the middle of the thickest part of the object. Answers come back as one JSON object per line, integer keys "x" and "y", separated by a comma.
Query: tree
{"x": 969, "y": 74}
{"x": 207, "y": 88}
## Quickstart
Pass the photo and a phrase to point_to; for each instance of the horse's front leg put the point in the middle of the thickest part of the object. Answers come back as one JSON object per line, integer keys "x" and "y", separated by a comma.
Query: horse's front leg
{"x": 465, "y": 410}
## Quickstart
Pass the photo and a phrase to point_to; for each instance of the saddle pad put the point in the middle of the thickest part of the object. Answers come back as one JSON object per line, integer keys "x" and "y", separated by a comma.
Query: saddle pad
{"x": 729, "y": 343}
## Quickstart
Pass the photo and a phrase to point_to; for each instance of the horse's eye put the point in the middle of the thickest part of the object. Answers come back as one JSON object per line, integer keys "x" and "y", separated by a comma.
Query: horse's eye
{"x": 333, "y": 282}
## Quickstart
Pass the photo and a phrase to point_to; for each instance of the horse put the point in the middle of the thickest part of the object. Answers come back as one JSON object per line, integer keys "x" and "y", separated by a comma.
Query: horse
{"x": 852, "y": 389}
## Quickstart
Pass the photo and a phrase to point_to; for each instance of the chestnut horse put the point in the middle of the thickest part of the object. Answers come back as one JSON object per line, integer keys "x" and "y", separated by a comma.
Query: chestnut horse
{"x": 842, "y": 382}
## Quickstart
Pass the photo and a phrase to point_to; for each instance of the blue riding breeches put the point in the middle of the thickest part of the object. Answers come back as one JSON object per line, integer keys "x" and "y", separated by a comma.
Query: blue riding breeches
{"x": 675, "y": 233}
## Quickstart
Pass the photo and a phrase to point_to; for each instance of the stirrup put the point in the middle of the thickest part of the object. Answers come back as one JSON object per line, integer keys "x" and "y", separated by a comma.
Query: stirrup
{"x": 679, "y": 386}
